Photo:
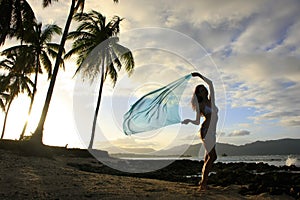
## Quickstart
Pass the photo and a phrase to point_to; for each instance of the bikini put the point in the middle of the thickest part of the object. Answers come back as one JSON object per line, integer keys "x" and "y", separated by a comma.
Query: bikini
{"x": 210, "y": 138}
{"x": 207, "y": 110}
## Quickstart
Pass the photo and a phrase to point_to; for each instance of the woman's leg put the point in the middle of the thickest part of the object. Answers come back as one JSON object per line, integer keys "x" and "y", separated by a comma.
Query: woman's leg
{"x": 207, "y": 166}
{"x": 203, "y": 167}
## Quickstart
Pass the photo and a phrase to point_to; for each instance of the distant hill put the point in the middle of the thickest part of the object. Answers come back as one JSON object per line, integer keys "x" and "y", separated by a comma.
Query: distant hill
{"x": 271, "y": 147}
{"x": 115, "y": 150}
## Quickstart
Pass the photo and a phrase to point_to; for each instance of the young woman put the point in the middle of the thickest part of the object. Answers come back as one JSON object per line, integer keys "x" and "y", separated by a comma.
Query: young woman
{"x": 205, "y": 106}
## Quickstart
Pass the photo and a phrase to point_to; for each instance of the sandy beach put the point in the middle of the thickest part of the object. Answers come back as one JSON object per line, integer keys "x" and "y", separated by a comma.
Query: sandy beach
{"x": 30, "y": 177}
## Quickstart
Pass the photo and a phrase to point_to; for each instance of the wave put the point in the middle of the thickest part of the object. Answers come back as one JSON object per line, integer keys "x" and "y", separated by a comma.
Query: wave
{"x": 291, "y": 160}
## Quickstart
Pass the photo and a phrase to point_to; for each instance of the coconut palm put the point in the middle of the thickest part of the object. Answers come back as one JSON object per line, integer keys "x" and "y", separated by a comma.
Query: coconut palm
{"x": 15, "y": 80}
{"x": 38, "y": 43}
{"x": 93, "y": 32}
{"x": 37, "y": 136}
{"x": 76, "y": 5}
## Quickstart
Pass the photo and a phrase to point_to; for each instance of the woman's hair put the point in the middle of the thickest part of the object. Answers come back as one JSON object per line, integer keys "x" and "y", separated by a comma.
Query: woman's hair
{"x": 199, "y": 94}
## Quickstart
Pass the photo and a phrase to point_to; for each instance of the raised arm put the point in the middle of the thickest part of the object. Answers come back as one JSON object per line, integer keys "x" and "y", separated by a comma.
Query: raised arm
{"x": 210, "y": 85}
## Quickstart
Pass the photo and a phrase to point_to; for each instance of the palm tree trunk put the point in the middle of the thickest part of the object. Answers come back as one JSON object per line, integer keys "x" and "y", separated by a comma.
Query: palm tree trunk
{"x": 5, "y": 118}
{"x": 32, "y": 96}
{"x": 97, "y": 109}
{"x": 38, "y": 133}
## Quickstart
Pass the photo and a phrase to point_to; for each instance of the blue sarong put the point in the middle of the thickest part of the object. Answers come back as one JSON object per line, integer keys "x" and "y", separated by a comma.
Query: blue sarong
{"x": 156, "y": 109}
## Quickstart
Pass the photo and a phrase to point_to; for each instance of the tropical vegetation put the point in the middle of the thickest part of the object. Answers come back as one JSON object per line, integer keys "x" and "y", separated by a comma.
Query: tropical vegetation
{"x": 94, "y": 33}
{"x": 22, "y": 63}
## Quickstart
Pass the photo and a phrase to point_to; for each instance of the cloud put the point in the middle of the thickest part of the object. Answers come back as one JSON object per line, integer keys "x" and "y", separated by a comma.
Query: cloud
{"x": 221, "y": 134}
{"x": 257, "y": 50}
{"x": 239, "y": 133}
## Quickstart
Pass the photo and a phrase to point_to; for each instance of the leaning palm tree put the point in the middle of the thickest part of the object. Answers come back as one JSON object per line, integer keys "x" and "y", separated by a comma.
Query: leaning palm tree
{"x": 15, "y": 81}
{"x": 76, "y": 6}
{"x": 93, "y": 32}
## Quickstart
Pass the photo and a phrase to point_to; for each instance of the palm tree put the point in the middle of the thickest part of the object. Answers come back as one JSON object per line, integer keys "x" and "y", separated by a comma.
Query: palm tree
{"x": 15, "y": 15}
{"x": 38, "y": 43}
{"x": 40, "y": 48}
{"x": 94, "y": 31}
{"x": 12, "y": 18}
{"x": 16, "y": 80}
{"x": 76, "y": 5}
{"x": 37, "y": 136}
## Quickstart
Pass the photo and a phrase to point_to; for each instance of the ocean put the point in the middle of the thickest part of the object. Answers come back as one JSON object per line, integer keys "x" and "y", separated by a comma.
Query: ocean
{"x": 276, "y": 160}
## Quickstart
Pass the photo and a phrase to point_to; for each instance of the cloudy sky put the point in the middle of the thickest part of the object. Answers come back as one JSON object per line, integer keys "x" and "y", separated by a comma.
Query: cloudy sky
{"x": 250, "y": 49}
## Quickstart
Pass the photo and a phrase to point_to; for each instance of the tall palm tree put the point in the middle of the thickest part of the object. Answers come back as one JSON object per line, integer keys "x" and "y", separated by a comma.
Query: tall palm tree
{"x": 38, "y": 43}
{"x": 16, "y": 80}
{"x": 76, "y": 5}
{"x": 15, "y": 15}
{"x": 93, "y": 31}
{"x": 37, "y": 136}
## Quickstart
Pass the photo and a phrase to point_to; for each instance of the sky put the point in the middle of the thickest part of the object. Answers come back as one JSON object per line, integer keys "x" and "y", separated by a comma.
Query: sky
{"x": 249, "y": 49}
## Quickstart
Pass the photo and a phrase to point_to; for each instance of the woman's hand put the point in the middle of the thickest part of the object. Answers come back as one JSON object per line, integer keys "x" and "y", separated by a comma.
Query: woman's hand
{"x": 194, "y": 74}
{"x": 186, "y": 121}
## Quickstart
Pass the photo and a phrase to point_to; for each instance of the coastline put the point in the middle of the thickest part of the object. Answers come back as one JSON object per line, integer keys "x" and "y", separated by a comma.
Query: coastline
{"x": 82, "y": 177}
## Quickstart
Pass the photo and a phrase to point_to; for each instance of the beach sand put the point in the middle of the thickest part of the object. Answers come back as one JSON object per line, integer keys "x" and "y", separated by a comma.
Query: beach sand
{"x": 25, "y": 177}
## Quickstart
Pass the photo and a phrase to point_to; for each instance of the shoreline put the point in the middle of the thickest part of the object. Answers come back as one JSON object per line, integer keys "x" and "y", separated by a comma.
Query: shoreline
{"x": 276, "y": 160}
{"x": 75, "y": 175}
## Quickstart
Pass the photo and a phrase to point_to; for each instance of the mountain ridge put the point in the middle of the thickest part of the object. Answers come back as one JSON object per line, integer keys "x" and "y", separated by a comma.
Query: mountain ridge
{"x": 286, "y": 146}
{"x": 269, "y": 147}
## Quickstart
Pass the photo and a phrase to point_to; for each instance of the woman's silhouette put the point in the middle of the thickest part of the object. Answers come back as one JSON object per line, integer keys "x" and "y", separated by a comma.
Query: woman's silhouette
{"x": 205, "y": 106}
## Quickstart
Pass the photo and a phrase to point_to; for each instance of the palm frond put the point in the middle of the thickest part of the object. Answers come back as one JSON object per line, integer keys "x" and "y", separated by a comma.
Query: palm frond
{"x": 52, "y": 50}
{"x": 94, "y": 34}
{"x": 80, "y": 17}
{"x": 25, "y": 84}
{"x": 15, "y": 18}
{"x": 2, "y": 105}
{"x": 80, "y": 34}
{"x": 46, "y": 63}
{"x": 113, "y": 27}
{"x": 47, "y": 2}
{"x": 14, "y": 50}
{"x": 79, "y": 47}
{"x": 52, "y": 46}
{"x": 112, "y": 73}
{"x": 126, "y": 57}
{"x": 80, "y": 5}
{"x": 6, "y": 64}
{"x": 49, "y": 31}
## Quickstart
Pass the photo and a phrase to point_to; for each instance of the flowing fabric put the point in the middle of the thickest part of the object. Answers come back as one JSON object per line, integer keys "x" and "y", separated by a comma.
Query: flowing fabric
{"x": 156, "y": 109}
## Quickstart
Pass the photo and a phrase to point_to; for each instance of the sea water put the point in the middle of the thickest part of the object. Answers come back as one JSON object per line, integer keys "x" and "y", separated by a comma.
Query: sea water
{"x": 276, "y": 160}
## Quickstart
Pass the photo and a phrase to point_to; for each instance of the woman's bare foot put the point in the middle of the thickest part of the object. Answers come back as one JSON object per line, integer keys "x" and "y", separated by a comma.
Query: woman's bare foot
{"x": 202, "y": 187}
